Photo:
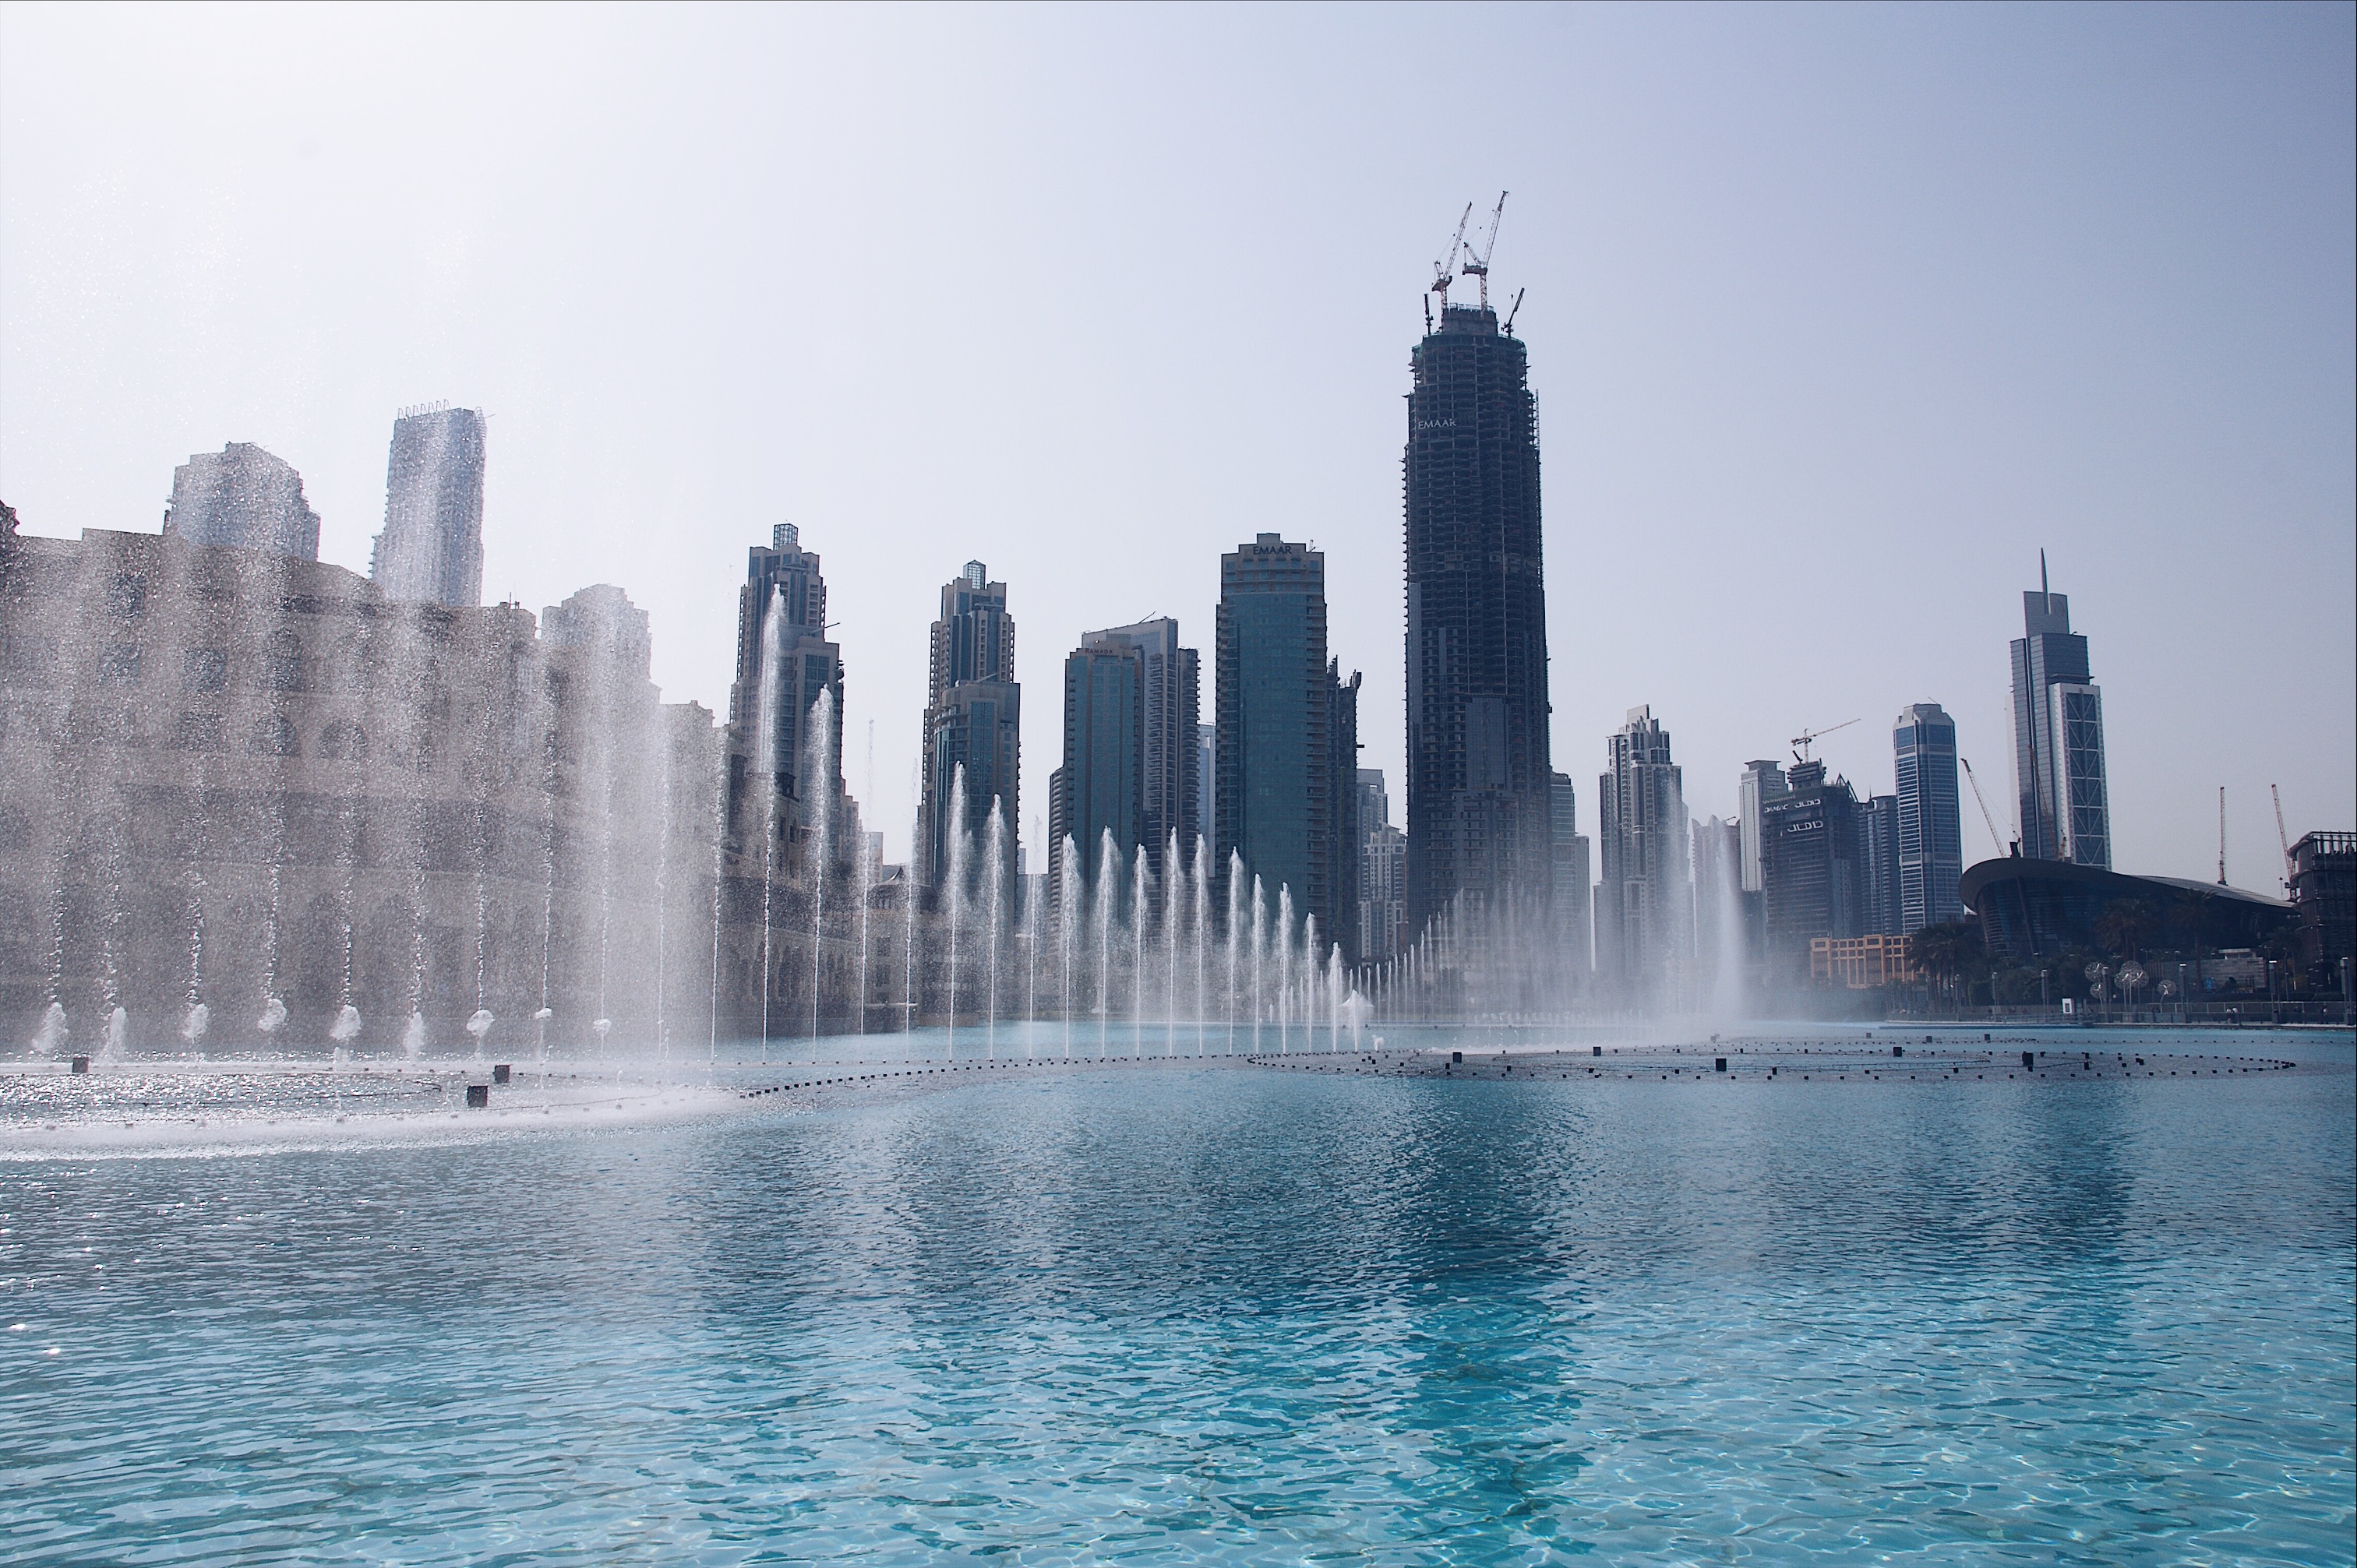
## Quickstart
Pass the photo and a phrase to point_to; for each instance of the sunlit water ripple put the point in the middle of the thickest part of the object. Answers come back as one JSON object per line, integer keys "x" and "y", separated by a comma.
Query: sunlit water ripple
{"x": 1186, "y": 1314}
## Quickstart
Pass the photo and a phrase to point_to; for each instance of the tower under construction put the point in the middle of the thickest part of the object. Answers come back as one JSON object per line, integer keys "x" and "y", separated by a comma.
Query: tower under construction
{"x": 1479, "y": 772}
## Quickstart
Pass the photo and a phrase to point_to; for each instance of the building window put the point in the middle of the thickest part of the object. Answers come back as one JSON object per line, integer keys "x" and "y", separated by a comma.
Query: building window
{"x": 204, "y": 669}
{"x": 343, "y": 740}
{"x": 119, "y": 665}
{"x": 199, "y": 732}
{"x": 274, "y": 736}
{"x": 128, "y": 595}
{"x": 33, "y": 660}
{"x": 282, "y": 668}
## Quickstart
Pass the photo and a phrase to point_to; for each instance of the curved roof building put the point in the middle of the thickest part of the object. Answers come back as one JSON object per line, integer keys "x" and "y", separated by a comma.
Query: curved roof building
{"x": 2031, "y": 908}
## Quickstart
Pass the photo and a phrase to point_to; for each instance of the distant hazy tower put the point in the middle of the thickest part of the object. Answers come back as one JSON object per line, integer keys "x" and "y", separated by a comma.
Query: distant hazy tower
{"x": 1477, "y": 768}
{"x": 2057, "y": 737}
{"x": 432, "y": 547}
{"x": 974, "y": 719}
{"x": 1644, "y": 916}
{"x": 244, "y": 498}
{"x": 1170, "y": 699}
{"x": 782, "y": 581}
{"x": 1101, "y": 788}
{"x": 1931, "y": 820}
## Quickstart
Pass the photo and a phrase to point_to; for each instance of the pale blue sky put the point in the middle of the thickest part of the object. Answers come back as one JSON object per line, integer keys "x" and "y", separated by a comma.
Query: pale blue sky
{"x": 1836, "y": 316}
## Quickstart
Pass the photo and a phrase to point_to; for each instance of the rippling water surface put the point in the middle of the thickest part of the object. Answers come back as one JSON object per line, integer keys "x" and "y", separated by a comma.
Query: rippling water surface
{"x": 1181, "y": 1313}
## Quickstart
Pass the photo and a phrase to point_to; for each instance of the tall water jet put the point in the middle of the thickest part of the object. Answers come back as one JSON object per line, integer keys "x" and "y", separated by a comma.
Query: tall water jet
{"x": 1284, "y": 966}
{"x": 955, "y": 894}
{"x": 1141, "y": 881}
{"x": 1203, "y": 937}
{"x": 719, "y": 893}
{"x": 51, "y": 1038}
{"x": 998, "y": 915}
{"x": 1337, "y": 989}
{"x": 1235, "y": 936}
{"x": 818, "y": 794}
{"x": 1068, "y": 924}
{"x": 1030, "y": 916}
{"x": 1102, "y": 896}
{"x": 118, "y": 1035}
{"x": 663, "y": 896}
{"x": 1259, "y": 958}
{"x": 413, "y": 1037}
{"x": 196, "y": 1015}
{"x": 1173, "y": 884}
{"x": 867, "y": 882}
{"x": 765, "y": 759}
{"x": 908, "y": 906}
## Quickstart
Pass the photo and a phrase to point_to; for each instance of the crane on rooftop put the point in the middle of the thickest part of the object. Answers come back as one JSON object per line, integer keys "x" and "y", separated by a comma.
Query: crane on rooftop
{"x": 1479, "y": 266}
{"x": 1445, "y": 272}
{"x": 1807, "y": 737}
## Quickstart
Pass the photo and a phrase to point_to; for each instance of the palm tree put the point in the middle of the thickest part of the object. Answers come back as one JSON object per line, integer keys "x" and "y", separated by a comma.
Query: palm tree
{"x": 2191, "y": 912}
{"x": 2124, "y": 924}
{"x": 1942, "y": 953}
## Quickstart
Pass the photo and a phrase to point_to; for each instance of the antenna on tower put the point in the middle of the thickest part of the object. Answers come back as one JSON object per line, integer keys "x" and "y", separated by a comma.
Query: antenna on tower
{"x": 2221, "y": 835}
{"x": 1479, "y": 266}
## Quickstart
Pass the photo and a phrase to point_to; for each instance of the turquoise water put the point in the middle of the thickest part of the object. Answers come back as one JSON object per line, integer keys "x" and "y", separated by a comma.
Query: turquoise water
{"x": 1187, "y": 1313}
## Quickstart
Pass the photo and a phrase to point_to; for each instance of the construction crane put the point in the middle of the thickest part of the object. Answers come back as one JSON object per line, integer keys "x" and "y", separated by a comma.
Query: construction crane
{"x": 1807, "y": 737}
{"x": 2221, "y": 835}
{"x": 2283, "y": 839}
{"x": 1478, "y": 267}
{"x": 1445, "y": 272}
{"x": 1509, "y": 328}
{"x": 1987, "y": 820}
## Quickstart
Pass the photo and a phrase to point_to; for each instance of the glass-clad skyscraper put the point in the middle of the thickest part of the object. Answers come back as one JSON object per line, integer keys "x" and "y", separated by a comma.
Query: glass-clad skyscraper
{"x": 1930, "y": 820}
{"x": 1280, "y": 799}
{"x": 2057, "y": 737}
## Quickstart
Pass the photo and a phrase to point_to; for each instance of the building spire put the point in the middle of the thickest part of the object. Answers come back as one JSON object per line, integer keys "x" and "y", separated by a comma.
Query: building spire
{"x": 2043, "y": 589}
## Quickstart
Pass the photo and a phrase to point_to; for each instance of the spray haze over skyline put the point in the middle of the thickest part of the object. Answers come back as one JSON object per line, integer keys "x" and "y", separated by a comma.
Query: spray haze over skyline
{"x": 1835, "y": 318}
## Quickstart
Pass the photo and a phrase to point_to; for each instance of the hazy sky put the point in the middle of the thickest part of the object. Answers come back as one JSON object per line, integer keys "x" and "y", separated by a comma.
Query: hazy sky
{"x": 1835, "y": 317}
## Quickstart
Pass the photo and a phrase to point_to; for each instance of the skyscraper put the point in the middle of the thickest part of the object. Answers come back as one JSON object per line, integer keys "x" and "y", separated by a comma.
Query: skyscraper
{"x": 1101, "y": 788}
{"x": 2057, "y": 737}
{"x": 1644, "y": 922}
{"x": 1810, "y": 871}
{"x": 1207, "y": 752}
{"x": 1170, "y": 698}
{"x": 244, "y": 498}
{"x": 432, "y": 547}
{"x": 1477, "y": 759}
{"x": 1931, "y": 817}
{"x": 1762, "y": 781}
{"x": 1881, "y": 890}
{"x": 1382, "y": 872}
{"x": 973, "y": 718}
{"x": 1277, "y": 704}
{"x": 1345, "y": 837}
{"x": 781, "y": 635}
{"x": 1574, "y": 918}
